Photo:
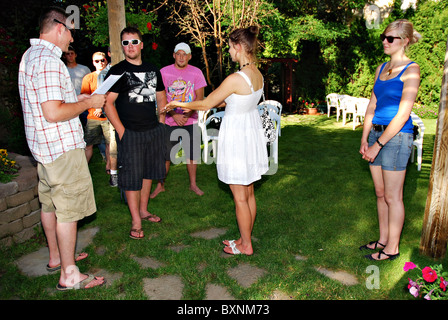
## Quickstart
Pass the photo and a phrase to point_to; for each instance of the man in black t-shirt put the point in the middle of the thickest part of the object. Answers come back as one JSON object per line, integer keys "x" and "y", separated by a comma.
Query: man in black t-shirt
{"x": 131, "y": 107}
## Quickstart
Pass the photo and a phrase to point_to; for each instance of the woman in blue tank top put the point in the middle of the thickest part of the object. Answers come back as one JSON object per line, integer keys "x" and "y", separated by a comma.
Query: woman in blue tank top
{"x": 387, "y": 135}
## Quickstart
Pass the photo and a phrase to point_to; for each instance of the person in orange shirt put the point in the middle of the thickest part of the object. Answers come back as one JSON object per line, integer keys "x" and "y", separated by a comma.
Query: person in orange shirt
{"x": 97, "y": 125}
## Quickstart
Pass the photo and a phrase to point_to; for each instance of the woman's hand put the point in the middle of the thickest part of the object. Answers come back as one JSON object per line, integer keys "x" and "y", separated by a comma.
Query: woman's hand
{"x": 364, "y": 147}
{"x": 170, "y": 106}
{"x": 371, "y": 152}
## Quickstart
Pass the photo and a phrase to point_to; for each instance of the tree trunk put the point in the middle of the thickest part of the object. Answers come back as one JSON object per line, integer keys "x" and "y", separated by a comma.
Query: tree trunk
{"x": 117, "y": 22}
{"x": 433, "y": 242}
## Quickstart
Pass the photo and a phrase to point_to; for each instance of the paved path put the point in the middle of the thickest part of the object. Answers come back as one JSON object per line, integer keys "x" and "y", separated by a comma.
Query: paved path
{"x": 170, "y": 287}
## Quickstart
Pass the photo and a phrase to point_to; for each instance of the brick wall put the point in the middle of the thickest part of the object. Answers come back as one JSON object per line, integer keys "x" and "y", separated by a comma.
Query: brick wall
{"x": 19, "y": 204}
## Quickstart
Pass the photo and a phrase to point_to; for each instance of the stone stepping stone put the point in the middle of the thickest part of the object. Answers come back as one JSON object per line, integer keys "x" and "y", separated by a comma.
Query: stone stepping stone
{"x": 110, "y": 277}
{"x": 168, "y": 287}
{"x": 341, "y": 276}
{"x": 215, "y": 292}
{"x": 148, "y": 262}
{"x": 245, "y": 274}
{"x": 34, "y": 264}
{"x": 280, "y": 295}
{"x": 178, "y": 248}
{"x": 210, "y": 233}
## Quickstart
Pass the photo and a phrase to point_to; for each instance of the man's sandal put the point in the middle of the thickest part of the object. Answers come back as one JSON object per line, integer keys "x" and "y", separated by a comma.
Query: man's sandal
{"x": 82, "y": 284}
{"x": 140, "y": 234}
{"x": 80, "y": 257}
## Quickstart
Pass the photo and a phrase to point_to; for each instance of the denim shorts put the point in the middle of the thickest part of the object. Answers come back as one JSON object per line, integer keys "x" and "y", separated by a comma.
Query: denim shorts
{"x": 394, "y": 156}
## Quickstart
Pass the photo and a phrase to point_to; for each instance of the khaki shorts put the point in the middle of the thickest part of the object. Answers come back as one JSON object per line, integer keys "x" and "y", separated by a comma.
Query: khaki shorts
{"x": 65, "y": 187}
{"x": 95, "y": 130}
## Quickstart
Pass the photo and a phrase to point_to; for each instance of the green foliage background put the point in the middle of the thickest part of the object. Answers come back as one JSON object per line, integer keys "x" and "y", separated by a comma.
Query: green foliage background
{"x": 334, "y": 49}
{"x": 346, "y": 55}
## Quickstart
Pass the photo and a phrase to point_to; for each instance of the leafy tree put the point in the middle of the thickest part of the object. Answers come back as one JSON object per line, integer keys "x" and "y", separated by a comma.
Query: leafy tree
{"x": 95, "y": 16}
{"x": 431, "y": 21}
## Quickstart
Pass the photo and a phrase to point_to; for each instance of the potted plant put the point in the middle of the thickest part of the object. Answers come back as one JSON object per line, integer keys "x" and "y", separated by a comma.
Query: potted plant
{"x": 308, "y": 107}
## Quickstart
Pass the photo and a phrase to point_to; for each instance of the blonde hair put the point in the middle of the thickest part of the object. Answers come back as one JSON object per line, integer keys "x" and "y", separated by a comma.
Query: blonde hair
{"x": 99, "y": 53}
{"x": 405, "y": 30}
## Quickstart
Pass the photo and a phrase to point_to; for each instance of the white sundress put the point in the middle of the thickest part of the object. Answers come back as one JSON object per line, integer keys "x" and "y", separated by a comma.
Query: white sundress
{"x": 242, "y": 153}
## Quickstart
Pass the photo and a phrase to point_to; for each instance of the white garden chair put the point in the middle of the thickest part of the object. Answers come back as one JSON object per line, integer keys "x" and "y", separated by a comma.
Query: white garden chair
{"x": 418, "y": 141}
{"x": 332, "y": 102}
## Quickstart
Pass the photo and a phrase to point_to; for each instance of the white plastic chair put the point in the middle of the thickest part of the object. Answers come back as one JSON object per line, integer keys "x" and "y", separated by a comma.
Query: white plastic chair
{"x": 275, "y": 117}
{"x": 348, "y": 106}
{"x": 332, "y": 102}
{"x": 274, "y": 145}
{"x": 418, "y": 141}
{"x": 209, "y": 135}
{"x": 361, "y": 108}
{"x": 273, "y": 106}
{"x": 340, "y": 108}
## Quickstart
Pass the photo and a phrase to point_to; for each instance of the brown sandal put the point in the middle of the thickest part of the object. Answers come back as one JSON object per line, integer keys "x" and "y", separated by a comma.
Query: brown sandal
{"x": 140, "y": 233}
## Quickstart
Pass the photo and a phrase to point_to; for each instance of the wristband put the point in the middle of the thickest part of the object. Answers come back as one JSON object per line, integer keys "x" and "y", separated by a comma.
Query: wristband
{"x": 379, "y": 143}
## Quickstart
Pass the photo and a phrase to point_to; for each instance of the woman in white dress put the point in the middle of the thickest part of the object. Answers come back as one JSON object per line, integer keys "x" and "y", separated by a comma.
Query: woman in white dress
{"x": 242, "y": 154}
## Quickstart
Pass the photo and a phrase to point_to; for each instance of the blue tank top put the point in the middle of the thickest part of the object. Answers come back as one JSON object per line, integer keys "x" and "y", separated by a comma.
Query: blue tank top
{"x": 388, "y": 95}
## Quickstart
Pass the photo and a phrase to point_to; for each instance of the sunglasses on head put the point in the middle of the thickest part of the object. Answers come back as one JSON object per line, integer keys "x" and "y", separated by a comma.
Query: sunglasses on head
{"x": 72, "y": 31}
{"x": 134, "y": 42}
{"x": 102, "y": 60}
{"x": 390, "y": 39}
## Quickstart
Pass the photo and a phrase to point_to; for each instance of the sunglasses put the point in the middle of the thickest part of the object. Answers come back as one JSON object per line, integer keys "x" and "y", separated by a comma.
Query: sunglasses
{"x": 96, "y": 61}
{"x": 134, "y": 42}
{"x": 72, "y": 31}
{"x": 390, "y": 39}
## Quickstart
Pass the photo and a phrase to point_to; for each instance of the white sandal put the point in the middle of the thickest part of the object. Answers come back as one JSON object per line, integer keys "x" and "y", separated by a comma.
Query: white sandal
{"x": 232, "y": 246}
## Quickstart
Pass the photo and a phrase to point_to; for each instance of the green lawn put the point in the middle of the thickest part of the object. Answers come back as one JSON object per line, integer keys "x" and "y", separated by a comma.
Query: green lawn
{"x": 320, "y": 204}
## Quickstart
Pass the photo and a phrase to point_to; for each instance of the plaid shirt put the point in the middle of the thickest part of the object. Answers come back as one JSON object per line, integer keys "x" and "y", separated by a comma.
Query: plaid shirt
{"x": 44, "y": 77}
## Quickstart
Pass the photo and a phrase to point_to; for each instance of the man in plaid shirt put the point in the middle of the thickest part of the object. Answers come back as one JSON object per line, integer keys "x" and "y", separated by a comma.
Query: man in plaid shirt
{"x": 55, "y": 137}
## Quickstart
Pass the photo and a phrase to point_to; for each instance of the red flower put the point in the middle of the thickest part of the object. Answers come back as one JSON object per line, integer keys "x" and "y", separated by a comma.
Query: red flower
{"x": 144, "y": 10}
{"x": 149, "y": 26}
{"x": 154, "y": 46}
{"x": 429, "y": 274}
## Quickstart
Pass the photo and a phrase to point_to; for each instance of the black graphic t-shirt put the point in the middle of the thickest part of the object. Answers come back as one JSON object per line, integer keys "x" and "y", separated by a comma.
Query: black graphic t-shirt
{"x": 136, "y": 102}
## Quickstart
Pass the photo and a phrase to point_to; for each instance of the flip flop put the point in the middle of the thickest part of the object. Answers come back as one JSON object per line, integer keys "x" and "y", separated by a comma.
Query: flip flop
{"x": 80, "y": 257}
{"x": 229, "y": 243}
{"x": 152, "y": 218}
{"x": 81, "y": 285}
{"x": 233, "y": 247}
{"x": 139, "y": 231}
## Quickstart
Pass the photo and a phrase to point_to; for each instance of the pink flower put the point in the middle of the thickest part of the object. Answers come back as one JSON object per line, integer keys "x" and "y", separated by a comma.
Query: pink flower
{"x": 414, "y": 288}
{"x": 428, "y": 295}
{"x": 443, "y": 284}
{"x": 409, "y": 266}
{"x": 429, "y": 274}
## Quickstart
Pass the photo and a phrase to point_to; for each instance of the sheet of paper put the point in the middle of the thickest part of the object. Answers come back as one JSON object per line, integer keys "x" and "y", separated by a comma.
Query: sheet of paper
{"x": 107, "y": 84}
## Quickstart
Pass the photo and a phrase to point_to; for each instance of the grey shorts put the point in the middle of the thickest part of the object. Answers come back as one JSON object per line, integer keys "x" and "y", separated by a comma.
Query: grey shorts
{"x": 394, "y": 156}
